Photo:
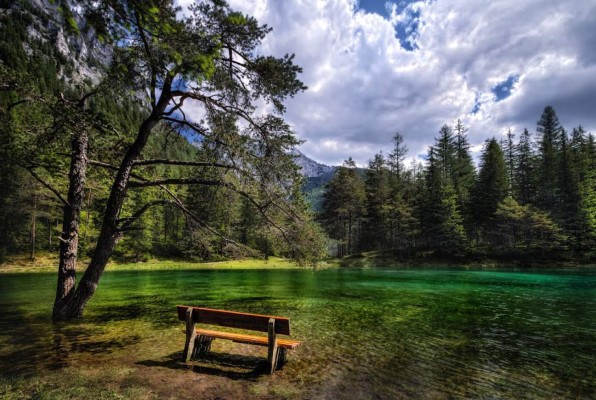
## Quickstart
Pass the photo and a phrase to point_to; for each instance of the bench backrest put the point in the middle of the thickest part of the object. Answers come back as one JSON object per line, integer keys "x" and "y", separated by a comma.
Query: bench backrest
{"x": 234, "y": 319}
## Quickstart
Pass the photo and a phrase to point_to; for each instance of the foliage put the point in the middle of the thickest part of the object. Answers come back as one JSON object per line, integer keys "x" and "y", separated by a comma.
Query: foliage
{"x": 343, "y": 207}
{"x": 505, "y": 208}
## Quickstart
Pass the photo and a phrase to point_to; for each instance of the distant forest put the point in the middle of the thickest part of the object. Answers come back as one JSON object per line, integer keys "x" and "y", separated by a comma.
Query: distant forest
{"x": 534, "y": 197}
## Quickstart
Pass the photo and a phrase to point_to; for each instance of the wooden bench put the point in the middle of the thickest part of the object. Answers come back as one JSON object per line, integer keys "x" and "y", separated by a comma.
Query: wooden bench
{"x": 198, "y": 341}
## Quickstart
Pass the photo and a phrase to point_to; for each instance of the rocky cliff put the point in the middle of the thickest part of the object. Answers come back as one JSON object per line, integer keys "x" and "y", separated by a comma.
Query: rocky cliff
{"x": 81, "y": 55}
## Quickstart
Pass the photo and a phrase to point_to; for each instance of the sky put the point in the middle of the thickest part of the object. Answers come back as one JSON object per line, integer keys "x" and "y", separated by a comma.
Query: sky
{"x": 376, "y": 67}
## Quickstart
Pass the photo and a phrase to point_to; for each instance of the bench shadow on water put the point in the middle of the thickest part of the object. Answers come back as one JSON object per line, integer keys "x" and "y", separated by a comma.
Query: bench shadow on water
{"x": 232, "y": 366}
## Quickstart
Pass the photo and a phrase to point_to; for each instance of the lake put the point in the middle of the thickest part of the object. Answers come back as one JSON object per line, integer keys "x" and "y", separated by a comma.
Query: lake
{"x": 371, "y": 333}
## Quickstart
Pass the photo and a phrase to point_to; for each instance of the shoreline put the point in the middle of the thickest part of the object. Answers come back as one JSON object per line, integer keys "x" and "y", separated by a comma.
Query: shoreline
{"x": 48, "y": 263}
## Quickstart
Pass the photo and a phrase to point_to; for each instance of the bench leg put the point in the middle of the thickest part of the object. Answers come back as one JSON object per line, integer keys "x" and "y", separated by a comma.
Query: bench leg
{"x": 191, "y": 333}
{"x": 202, "y": 345}
{"x": 272, "y": 347}
{"x": 281, "y": 357}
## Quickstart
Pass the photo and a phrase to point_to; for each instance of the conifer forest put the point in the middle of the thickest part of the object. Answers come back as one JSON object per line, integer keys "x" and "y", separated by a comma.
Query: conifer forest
{"x": 532, "y": 196}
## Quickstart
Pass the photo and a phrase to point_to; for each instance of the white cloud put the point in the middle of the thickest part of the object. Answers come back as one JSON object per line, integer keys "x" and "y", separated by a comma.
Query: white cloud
{"x": 364, "y": 86}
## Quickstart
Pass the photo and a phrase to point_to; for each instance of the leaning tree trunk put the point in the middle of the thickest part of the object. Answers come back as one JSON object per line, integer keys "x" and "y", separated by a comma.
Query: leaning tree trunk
{"x": 32, "y": 235}
{"x": 69, "y": 239}
{"x": 110, "y": 233}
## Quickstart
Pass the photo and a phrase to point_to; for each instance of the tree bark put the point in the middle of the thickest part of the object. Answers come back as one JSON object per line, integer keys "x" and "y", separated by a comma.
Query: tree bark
{"x": 69, "y": 239}
{"x": 32, "y": 235}
{"x": 110, "y": 233}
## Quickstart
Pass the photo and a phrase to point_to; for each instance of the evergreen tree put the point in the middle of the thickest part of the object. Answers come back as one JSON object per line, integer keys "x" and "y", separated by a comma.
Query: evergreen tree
{"x": 400, "y": 218}
{"x": 441, "y": 222}
{"x": 578, "y": 194}
{"x": 378, "y": 211}
{"x": 550, "y": 132}
{"x": 343, "y": 207}
{"x": 510, "y": 157}
{"x": 397, "y": 156}
{"x": 526, "y": 226}
{"x": 491, "y": 186}
{"x": 446, "y": 152}
{"x": 525, "y": 190}
{"x": 464, "y": 172}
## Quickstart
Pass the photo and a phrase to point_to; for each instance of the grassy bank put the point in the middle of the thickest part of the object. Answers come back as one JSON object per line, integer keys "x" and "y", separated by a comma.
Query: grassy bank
{"x": 391, "y": 259}
{"x": 47, "y": 262}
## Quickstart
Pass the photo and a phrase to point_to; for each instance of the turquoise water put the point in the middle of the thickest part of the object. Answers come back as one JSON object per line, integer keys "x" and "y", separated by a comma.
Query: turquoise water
{"x": 367, "y": 333}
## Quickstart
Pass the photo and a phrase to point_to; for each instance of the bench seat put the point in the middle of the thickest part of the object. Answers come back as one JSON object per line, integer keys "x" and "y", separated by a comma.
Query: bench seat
{"x": 248, "y": 339}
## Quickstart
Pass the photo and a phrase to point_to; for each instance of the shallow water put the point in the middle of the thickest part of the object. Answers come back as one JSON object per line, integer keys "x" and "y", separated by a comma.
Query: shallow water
{"x": 367, "y": 333}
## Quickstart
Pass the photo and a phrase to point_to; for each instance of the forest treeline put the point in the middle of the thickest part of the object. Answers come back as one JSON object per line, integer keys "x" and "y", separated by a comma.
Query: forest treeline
{"x": 534, "y": 197}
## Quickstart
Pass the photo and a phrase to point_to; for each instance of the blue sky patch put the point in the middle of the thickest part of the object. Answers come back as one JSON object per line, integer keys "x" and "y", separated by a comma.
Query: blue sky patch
{"x": 476, "y": 105}
{"x": 503, "y": 89}
{"x": 375, "y": 6}
{"x": 405, "y": 31}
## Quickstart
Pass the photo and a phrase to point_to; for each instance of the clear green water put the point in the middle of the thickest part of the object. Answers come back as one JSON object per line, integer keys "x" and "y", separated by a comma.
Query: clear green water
{"x": 367, "y": 333}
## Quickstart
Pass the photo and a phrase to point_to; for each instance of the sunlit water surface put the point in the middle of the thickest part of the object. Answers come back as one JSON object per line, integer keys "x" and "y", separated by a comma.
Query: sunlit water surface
{"x": 367, "y": 333}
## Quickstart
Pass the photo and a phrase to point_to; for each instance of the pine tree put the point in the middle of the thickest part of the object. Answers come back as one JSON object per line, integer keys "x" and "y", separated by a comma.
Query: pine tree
{"x": 400, "y": 219}
{"x": 446, "y": 152}
{"x": 440, "y": 219}
{"x": 579, "y": 193}
{"x": 516, "y": 225}
{"x": 525, "y": 190}
{"x": 491, "y": 186}
{"x": 510, "y": 160}
{"x": 550, "y": 132}
{"x": 343, "y": 207}
{"x": 568, "y": 184}
{"x": 377, "y": 229}
{"x": 464, "y": 172}
{"x": 397, "y": 156}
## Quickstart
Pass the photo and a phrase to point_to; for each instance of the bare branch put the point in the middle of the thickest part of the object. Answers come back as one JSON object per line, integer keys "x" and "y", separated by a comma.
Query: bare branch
{"x": 47, "y": 185}
{"x": 178, "y": 106}
{"x": 16, "y": 103}
{"x": 150, "y": 55}
{"x": 83, "y": 100}
{"x": 130, "y": 220}
{"x": 183, "y": 163}
{"x": 177, "y": 181}
{"x": 102, "y": 164}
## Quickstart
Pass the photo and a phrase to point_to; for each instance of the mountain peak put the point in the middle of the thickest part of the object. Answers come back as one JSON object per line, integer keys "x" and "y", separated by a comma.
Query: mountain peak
{"x": 309, "y": 167}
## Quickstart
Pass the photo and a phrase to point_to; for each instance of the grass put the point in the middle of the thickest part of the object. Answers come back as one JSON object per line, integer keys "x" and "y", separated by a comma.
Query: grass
{"x": 53, "y": 387}
{"x": 47, "y": 262}
{"x": 479, "y": 260}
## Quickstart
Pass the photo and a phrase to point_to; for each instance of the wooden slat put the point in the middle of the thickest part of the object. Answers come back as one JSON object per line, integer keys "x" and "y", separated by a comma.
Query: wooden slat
{"x": 248, "y": 339}
{"x": 234, "y": 319}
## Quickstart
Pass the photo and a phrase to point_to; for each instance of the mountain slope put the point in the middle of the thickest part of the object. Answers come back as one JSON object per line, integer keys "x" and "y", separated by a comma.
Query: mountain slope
{"x": 316, "y": 177}
{"x": 309, "y": 167}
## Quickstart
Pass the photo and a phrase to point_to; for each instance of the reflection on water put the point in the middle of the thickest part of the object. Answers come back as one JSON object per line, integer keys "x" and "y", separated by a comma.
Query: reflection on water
{"x": 408, "y": 333}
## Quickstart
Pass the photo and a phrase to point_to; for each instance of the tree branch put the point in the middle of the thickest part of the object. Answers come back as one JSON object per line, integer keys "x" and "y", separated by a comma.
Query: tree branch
{"x": 166, "y": 161}
{"x": 130, "y": 220}
{"x": 196, "y": 181}
{"x": 47, "y": 185}
{"x": 16, "y": 103}
{"x": 177, "y": 181}
{"x": 149, "y": 53}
